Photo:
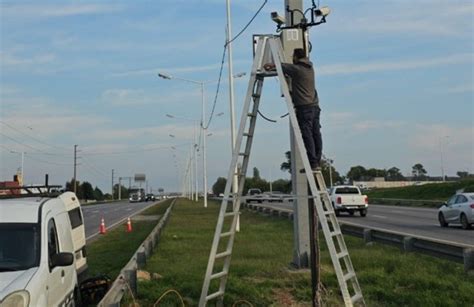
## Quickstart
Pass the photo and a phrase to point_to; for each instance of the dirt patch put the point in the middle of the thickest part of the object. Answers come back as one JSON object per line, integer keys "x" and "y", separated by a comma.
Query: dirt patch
{"x": 283, "y": 297}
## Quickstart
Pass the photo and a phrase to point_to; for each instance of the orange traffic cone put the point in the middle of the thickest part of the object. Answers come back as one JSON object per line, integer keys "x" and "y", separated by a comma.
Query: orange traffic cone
{"x": 128, "y": 226}
{"x": 102, "y": 229}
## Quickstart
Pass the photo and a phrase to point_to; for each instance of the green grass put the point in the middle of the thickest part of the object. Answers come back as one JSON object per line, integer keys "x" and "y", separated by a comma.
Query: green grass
{"x": 260, "y": 267}
{"x": 158, "y": 210}
{"x": 435, "y": 191}
{"x": 109, "y": 254}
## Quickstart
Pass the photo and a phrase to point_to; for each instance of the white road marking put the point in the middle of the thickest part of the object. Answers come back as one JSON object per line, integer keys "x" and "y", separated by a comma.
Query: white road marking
{"x": 129, "y": 209}
{"x": 379, "y": 216}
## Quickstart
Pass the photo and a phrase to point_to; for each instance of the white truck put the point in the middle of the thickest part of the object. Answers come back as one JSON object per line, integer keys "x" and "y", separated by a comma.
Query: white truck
{"x": 41, "y": 251}
{"x": 348, "y": 198}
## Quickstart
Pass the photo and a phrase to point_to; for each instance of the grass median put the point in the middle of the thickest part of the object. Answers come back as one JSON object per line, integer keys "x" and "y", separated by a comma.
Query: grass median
{"x": 109, "y": 253}
{"x": 260, "y": 271}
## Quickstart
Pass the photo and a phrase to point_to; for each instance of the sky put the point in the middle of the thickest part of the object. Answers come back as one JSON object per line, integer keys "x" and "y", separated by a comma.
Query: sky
{"x": 395, "y": 81}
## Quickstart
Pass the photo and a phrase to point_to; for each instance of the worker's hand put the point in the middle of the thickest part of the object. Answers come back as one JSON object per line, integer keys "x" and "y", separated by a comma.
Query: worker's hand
{"x": 269, "y": 66}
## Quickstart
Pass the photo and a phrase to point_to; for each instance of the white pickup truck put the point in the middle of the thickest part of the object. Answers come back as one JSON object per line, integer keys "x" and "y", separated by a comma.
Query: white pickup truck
{"x": 348, "y": 198}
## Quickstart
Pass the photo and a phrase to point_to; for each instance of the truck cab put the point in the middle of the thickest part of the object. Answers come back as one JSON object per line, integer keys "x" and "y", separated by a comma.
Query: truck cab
{"x": 37, "y": 253}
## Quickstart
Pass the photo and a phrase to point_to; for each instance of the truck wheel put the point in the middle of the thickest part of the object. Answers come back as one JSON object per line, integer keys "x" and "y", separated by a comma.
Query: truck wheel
{"x": 351, "y": 212}
{"x": 338, "y": 213}
{"x": 363, "y": 212}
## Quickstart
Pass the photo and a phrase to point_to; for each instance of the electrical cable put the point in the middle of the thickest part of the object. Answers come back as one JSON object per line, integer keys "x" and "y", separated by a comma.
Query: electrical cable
{"x": 217, "y": 88}
{"x": 31, "y": 137}
{"x": 131, "y": 151}
{"x": 223, "y": 59}
{"x": 29, "y": 146}
{"x": 247, "y": 25}
{"x": 166, "y": 293}
{"x": 266, "y": 118}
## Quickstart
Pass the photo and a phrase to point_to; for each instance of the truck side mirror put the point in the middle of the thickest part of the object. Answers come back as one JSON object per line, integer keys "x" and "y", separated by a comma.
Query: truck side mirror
{"x": 62, "y": 259}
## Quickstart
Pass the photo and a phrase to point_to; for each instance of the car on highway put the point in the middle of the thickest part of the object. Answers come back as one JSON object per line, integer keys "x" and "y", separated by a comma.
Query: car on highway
{"x": 459, "y": 209}
{"x": 37, "y": 252}
{"x": 348, "y": 198}
{"x": 150, "y": 197}
{"x": 276, "y": 196}
{"x": 253, "y": 195}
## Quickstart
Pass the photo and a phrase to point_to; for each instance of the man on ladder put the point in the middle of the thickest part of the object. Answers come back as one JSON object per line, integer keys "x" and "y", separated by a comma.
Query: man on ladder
{"x": 306, "y": 103}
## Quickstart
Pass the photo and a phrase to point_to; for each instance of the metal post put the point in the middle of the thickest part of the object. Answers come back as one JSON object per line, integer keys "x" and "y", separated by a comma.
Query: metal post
{"x": 22, "y": 167}
{"x": 75, "y": 164}
{"x": 204, "y": 149}
{"x": 330, "y": 172}
{"x": 112, "y": 184}
{"x": 235, "y": 183}
{"x": 120, "y": 189}
{"x": 195, "y": 163}
{"x": 299, "y": 181}
{"x": 314, "y": 255}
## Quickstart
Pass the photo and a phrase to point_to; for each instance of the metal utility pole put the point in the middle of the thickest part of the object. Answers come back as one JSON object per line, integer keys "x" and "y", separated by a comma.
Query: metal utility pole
{"x": 120, "y": 189}
{"x": 113, "y": 184}
{"x": 75, "y": 166}
{"x": 235, "y": 185}
{"x": 204, "y": 148}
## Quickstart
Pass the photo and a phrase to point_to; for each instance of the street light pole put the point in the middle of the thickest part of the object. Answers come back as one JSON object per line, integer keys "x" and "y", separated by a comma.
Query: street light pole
{"x": 235, "y": 184}
{"x": 204, "y": 148}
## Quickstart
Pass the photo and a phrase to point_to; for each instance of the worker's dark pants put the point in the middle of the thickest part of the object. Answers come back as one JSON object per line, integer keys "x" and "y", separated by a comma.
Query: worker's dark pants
{"x": 308, "y": 120}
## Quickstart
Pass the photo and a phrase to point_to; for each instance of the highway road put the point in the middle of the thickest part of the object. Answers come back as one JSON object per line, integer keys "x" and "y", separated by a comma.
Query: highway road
{"x": 409, "y": 220}
{"x": 113, "y": 214}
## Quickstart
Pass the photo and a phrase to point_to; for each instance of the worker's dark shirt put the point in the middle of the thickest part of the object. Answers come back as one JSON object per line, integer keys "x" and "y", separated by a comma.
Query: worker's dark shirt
{"x": 303, "y": 91}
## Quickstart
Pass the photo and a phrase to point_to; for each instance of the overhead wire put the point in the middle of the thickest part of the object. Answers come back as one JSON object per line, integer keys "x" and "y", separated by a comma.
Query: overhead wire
{"x": 39, "y": 151}
{"x": 223, "y": 59}
{"x": 32, "y": 137}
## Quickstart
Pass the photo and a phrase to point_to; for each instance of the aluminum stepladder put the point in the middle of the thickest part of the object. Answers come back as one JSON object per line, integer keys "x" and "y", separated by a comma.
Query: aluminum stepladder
{"x": 332, "y": 232}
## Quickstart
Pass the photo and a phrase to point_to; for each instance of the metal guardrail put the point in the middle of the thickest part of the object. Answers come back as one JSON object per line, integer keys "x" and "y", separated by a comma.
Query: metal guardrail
{"x": 401, "y": 202}
{"x": 127, "y": 279}
{"x": 457, "y": 252}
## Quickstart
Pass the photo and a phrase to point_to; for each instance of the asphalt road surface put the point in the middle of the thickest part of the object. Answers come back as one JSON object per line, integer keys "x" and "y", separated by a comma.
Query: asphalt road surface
{"x": 409, "y": 220}
{"x": 113, "y": 213}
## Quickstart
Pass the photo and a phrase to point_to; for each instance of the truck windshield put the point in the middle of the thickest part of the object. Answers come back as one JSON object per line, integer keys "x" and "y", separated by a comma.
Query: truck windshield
{"x": 19, "y": 246}
{"x": 347, "y": 190}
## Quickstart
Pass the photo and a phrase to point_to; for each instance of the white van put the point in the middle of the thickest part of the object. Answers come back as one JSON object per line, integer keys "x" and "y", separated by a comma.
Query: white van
{"x": 76, "y": 218}
{"x": 37, "y": 262}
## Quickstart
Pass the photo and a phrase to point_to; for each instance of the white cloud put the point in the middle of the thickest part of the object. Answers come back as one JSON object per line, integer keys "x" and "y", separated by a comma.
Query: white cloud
{"x": 7, "y": 59}
{"x": 352, "y": 68}
{"x": 409, "y": 18}
{"x": 461, "y": 88}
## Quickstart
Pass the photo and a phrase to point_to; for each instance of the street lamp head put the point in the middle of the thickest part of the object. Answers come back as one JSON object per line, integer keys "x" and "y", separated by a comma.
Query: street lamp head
{"x": 169, "y": 115}
{"x": 165, "y": 76}
{"x": 172, "y": 135}
{"x": 220, "y": 114}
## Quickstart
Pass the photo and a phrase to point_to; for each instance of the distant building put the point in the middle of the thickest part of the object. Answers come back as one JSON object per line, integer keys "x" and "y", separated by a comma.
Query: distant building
{"x": 4, "y": 185}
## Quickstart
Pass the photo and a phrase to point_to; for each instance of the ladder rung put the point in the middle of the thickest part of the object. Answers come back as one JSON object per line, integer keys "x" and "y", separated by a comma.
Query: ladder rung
{"x": 214, "y": 295}
{"x": 219, "y": 275}
{"x": 251, "y": 115}
{"x": 230, "y": 213}
{"x": 342, "y": 255}
{"x": 243, "y": 154}
{"x": 349, "y": 276}
{"x": 356, "y": 298}
{"x": 223, "y": 254}
{"x": 255, "y": 95}
{"x": 328, "y": 212}
{"x": 226, "y": 234}
{"x": 248, "y": 134}
{"x": 336, "y": 233}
